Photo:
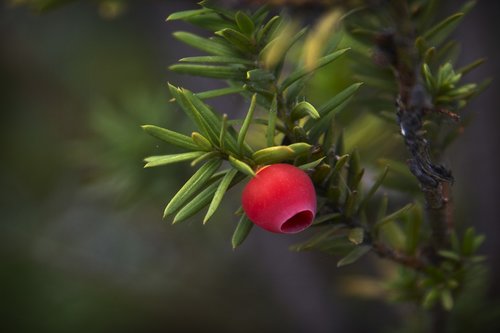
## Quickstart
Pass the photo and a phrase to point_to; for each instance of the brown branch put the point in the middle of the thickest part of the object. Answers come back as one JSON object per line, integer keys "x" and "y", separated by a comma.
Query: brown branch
{"x": 398, "y": 49}
{"x": 386, "y": 252}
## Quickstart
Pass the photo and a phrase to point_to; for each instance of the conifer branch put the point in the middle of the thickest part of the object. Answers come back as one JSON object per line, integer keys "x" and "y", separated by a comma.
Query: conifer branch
{"x": 412, "y": 104}
{"x": 413, "y": 262}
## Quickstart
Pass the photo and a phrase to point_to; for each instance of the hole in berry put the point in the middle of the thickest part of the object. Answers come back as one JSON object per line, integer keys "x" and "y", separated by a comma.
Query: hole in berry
{"x": 298, "y": 222}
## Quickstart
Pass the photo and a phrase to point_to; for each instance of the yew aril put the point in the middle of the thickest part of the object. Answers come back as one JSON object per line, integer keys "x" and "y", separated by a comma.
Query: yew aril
{"x": 280, "y": 198}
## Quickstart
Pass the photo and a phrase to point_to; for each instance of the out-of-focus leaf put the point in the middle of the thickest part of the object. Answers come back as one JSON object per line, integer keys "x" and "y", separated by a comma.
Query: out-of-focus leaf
{"x": 268, "y": 29}
{"x": 219, "y": 194}
{"x": 353, "y": 170}
{"x": 174, "y": 138}
{"x": 354, "y": 255}
{"x": 350, "y": 203}
{"x": 293, "y": 92}
{"x": 413, "y": 227}
{"x": 341, "y": 161}
{"x": 321, "y": 175}
{"x": 246, "y": 123}
{"x": 153, "y": 161}
{"x": 300, "y": 134}
{"x": 478, "y": 241}
{"x": 242, "y": 230}
{"x": 429, "y": 54}
{"x": 271, "y": 127}
{"x": 467, "y": 68}
{"x": 449, "y": 255}
{"x": 339, "y": 98}
{"x": 430, "y": 298}
{"x": 455, "y": 243}
{"x": 274, "y": 53}
{"x": 439, "y": 32}
{"x": 394, "y": 216}
{"x": 356, "y": 236}
{"x": 377, "y": 82}
{"x": 339, "y": 145}
{"x": 196, "y": 182}
{"x": 263, "y": 94}
{"x": 260, "y": 15}
{"x": 428, "y": 13}
{"x": 327, "y": 218}
{"x": 392, "y": 234}
{"x": 374, "y": 188}
{"x": 331, "y": 235}
{"x": 429, "y": 79}
{"x": 245, "y": 23}
{"x": 446, "y": 300}
{"x": 468, "y": 242}
{"x": 323, "y": 61}
{"x": 319, "y": 37}
{"x": 400, "y": 177}
{"x": 382, "y": 209}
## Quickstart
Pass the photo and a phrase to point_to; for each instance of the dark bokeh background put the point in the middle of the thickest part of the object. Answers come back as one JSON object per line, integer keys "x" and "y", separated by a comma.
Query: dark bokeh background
{"x": 82, "y": 244}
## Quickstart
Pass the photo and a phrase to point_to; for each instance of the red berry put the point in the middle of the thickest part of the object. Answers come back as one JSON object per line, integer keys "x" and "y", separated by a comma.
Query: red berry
{"x": 280, "y": 198}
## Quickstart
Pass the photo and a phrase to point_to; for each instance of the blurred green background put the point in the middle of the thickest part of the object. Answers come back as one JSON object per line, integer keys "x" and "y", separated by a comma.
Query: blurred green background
{"x": 82, "y": 243}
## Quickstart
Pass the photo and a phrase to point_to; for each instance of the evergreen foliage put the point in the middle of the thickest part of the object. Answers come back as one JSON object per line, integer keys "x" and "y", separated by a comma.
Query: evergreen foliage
{"x": 401, "y": 55}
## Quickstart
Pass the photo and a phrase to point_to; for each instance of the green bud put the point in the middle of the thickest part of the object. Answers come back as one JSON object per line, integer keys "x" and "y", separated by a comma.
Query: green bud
{"x": 201, "y": 141}
{"x": 273, "y": 154}
{"x": 241, "y": 166}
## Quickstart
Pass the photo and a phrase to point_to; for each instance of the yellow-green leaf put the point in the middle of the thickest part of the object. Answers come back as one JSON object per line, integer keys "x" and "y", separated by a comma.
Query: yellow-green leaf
{"x": 271, "y": 127}
{"x": 219, "y": 194}
{"x": 354, "y": 255}
{"x": 201, "y": 141}
{"x": 394, "y": 216}
{"x": 153, "y": 161}
{"x": 246, "y": 122}
{"x": 242, "y": 230}
{"x": 195, "y": 183}
{"x": 356, "y": 235}
{"x": 273, "y": 155}
{"x": 196, "y": 204}
{"x": 323, "y": 61}
{"x": 245, "y": 24}
{"x": 174, "y": 138}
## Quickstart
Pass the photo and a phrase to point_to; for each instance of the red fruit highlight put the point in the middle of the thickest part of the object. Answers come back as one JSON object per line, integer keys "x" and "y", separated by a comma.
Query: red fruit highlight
{"x": 280, "y": 198}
